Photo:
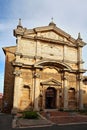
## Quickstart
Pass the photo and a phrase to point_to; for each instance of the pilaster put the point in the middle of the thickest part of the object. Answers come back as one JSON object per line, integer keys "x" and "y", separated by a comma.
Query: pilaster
{"x": 80, "y": 44}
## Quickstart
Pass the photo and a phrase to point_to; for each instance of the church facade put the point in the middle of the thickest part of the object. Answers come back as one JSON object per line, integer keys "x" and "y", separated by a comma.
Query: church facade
{"x": 44, "y": 70}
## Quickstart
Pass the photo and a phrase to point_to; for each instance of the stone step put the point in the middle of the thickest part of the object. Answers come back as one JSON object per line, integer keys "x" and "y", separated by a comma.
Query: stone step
{"x": 54, "y": 113}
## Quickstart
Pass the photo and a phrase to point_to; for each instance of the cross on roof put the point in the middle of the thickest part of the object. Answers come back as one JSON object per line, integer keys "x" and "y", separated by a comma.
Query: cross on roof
{"x": 52, "y": 19}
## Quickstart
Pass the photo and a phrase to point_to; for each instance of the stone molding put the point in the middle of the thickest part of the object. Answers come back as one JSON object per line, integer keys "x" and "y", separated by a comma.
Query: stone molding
{"x": 52, "y": 82}
{"x": 17, "y": 72}
{"x": 49, "y": 40}
{"x": 36, "y": 75}
{"x": 51, "y": 62}
{"x": 44, "y": 58}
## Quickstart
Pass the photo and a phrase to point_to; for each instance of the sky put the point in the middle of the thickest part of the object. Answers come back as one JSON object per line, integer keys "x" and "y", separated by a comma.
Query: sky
{"x": 69, "y": 15}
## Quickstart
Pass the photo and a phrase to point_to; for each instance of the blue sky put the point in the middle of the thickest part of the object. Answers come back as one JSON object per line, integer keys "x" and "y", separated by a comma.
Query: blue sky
{"x": 69, "y": 15}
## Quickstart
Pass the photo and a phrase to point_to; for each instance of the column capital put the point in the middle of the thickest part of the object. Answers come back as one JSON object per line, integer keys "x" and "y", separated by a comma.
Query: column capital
{"x": 36, "y": 75}
{"x": 17, "y": 73}
{"x": 79, "y": 78}
{"x": 64, "y": 77}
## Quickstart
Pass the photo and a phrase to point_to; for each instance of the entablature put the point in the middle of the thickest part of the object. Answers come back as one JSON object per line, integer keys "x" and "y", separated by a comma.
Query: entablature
{"x": 49, "y": 40}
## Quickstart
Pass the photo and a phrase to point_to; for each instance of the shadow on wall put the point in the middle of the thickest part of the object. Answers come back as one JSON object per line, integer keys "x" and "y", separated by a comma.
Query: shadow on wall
{"x": 26, "y": 104}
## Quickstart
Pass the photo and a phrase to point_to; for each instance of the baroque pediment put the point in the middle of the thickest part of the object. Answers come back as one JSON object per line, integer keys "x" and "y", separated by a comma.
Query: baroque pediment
{"x": 50, "y": 33}
{"x": 51, "y": 82}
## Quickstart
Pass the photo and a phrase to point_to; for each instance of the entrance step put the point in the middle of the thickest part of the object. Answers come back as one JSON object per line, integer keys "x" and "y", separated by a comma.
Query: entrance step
{"x": 54, "y": 113}
{"x": 59, "y": 117}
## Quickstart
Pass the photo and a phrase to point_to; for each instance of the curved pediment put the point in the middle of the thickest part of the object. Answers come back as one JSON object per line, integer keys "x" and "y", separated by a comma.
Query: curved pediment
{"x": 57, "y": 64}
{"x": 51, "y": 82}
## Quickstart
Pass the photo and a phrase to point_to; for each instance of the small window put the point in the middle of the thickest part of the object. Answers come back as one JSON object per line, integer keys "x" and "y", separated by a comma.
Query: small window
{"x": 85, "y": 81}
{"x": 26, "y": 91}
{"x": 71, "y": 93}
{"x": 72, "y": 90}
{"x": 26, "y": 86}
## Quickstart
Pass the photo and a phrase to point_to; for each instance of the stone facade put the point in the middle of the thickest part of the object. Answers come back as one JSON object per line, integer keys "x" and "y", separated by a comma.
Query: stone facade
{"x": 45, "y": 69}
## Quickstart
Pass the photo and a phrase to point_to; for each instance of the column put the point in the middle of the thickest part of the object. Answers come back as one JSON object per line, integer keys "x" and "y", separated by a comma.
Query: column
{"x": 65, "y": 92}
{"x": 36, "y": 90}
{"x": 17, "y": 85}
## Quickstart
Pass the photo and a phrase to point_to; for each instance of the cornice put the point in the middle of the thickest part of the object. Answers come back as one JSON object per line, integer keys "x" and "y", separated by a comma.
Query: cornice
{"x": 80, "y": 43}
{"x": 27, "y": 66}
{"x": 44, "y": 58}
{"x": 22, "y": 65}
{"x": 52, "y": 28}
{"x": 8, "y": 49}
{"x": 49, "y": 40}
{"x": 81, "y": 71}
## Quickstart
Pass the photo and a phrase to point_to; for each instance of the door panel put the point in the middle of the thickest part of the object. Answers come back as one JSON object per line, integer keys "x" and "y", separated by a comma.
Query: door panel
{"x": 50, "y": 102}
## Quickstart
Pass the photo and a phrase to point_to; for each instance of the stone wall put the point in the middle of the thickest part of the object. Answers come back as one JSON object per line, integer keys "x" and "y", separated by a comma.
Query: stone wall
{"x": 28, "y": 49}
{"x": 8, "y": 83}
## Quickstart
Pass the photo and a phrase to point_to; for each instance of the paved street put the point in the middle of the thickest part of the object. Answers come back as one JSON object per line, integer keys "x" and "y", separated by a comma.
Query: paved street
{"x": 6, "y": 124}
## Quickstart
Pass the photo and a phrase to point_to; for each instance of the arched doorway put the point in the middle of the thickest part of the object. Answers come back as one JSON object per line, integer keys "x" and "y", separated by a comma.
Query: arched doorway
{"x": 50, "y": 98}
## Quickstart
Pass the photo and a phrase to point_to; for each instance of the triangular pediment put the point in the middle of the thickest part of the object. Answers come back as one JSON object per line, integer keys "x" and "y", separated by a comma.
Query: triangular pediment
{"x": 51, "y": 82}
{"x": 52, "y": 29}
{"x": 11, "y": 49}
{"x": 50, "y": 33}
